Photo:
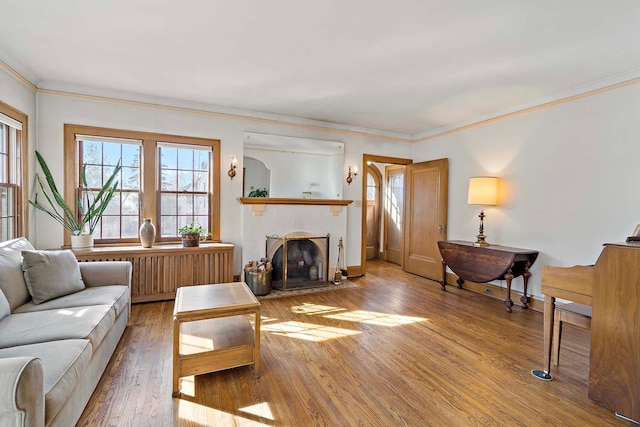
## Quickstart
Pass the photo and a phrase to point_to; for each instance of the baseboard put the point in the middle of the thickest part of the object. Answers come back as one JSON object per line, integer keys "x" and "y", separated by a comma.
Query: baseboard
{"x": 354, "y": 271}
{"x": 495, "y": 291}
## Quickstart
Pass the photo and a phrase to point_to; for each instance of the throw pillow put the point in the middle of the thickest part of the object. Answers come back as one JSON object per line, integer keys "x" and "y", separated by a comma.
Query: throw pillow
{"x": 5, "y": 310}
{"x": 51, "y": 274}
{"x": 12, "y": 281}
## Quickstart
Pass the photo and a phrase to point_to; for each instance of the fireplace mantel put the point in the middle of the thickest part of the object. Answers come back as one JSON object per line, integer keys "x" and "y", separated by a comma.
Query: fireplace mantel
{"x": 292, "y": 201}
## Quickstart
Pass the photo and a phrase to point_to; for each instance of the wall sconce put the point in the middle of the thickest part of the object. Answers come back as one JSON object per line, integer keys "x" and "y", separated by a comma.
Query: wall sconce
{"x": 483, "y": 191}
{"x": 353, "y": 172}
{"x": 232, "y": 168}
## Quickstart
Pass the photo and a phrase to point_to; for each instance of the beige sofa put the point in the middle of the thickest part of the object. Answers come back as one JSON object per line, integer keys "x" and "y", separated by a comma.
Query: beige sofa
{"x": 60, "y": 322}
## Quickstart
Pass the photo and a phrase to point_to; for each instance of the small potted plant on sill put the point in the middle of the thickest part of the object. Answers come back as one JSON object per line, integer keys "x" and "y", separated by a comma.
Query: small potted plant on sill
{"x": 192, "y": 234}
{"x": 90, "y": 205}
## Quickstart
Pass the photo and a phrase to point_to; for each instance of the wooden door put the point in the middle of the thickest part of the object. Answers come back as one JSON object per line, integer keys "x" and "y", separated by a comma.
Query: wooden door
{"x": 393, "y": 213}
{"x": 374, "y": 181}
{"x": 425, "y": 217}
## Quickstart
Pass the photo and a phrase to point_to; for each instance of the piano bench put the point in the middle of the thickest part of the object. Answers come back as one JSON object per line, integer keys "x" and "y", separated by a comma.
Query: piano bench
{"x": 572, "y": 313}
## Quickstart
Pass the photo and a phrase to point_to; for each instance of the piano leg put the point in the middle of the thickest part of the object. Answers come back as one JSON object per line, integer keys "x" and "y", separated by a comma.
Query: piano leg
{"x": 549, "y": 312}
{"x": 507, "y": 302}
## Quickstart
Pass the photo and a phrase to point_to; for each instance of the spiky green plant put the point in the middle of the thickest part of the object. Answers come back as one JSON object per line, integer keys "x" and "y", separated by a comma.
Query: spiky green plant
{"x": 90, "y": 208}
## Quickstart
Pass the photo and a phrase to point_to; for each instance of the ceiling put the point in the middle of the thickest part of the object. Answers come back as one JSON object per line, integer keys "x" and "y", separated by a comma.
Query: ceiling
{"x": 404, "y": 68}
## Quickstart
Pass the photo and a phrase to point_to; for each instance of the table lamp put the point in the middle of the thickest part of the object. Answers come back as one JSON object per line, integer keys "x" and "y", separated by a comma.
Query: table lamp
{"x": 483, "y": 191}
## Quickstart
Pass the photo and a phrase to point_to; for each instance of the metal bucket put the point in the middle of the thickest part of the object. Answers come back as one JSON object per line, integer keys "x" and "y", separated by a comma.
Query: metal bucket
{"x": 259, "y": 282}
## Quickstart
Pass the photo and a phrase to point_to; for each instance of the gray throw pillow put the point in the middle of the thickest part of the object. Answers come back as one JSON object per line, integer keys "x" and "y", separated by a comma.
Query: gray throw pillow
{"x": 12, "y": 281}
{"x": 51, "y": 274}
{"x": 5, "y": 310}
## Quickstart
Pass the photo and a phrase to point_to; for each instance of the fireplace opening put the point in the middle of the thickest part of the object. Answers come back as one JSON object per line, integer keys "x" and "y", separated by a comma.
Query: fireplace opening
{"x": 298, "y": 262}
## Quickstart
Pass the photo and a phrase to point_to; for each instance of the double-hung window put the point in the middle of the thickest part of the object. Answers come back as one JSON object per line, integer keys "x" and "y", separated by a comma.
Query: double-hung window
{"x": 11, "y": 173}
{"x": 170, "y": 179}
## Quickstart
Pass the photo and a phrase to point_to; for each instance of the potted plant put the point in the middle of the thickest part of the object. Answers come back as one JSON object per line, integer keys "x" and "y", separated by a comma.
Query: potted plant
{"x": 258, "y": 192}
{"x": 192, "y": 234}
{"x": 91, "y": 205}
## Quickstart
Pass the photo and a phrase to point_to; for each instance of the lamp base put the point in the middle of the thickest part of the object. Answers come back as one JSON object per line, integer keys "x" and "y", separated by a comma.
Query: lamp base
{"x": 541, "y": 375}
{"x": 481, "y": 241}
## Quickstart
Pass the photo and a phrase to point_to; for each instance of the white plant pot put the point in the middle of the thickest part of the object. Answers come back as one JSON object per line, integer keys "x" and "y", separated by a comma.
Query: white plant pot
{"x": 81, "y": 241}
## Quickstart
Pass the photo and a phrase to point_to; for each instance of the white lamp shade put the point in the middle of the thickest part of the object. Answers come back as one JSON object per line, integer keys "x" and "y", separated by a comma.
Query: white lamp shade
{"x": 483, "y": 190}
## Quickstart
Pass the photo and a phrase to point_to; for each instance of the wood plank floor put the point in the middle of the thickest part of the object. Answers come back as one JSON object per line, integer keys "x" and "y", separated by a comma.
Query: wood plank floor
{"x": 394, "y": 351}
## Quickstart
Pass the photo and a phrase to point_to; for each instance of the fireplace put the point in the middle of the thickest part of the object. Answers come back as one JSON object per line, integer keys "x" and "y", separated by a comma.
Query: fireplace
{"x": 300, "y": 260}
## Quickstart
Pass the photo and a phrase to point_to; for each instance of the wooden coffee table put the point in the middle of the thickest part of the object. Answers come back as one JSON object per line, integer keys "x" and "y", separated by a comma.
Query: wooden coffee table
{"x": 212, "y": 331}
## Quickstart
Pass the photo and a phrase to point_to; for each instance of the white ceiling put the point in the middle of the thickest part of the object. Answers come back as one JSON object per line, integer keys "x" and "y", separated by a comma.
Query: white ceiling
{"x": 401, "y": 67}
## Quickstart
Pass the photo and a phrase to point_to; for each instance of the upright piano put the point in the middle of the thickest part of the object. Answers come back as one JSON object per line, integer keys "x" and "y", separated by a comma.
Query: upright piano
{"x": 612, "y": 288}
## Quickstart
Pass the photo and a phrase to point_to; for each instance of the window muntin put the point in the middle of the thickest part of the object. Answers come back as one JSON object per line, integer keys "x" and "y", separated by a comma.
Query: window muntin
{"x": 205, "y": 200}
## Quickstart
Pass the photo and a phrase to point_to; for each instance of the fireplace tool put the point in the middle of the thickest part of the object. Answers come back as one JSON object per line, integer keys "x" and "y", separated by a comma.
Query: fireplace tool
{"x": 340, "y": 271}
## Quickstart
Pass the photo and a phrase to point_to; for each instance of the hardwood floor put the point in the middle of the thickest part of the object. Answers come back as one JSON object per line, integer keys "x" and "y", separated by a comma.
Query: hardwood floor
{"x": 395, "y": 351}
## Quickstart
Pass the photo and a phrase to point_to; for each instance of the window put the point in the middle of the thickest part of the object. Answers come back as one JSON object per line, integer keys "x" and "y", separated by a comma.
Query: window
{"x": 171, "y": 179}
{"x": 12, "y": 202}
{"x": 372, "y": 188}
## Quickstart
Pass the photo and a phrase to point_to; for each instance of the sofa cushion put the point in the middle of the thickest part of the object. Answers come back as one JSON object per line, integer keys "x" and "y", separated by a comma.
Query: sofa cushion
{"x": 51, "y": 274}
{"x": 85, "y": 322}
{"x": 12, "y": 281}
{"x": 116, "y": 295}
{"x": 64, "y": 363}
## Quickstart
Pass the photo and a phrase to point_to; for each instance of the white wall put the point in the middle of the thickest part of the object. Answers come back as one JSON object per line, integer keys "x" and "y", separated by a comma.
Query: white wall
{"x": 570, "y": 178}
{"x": 56, "y": 109}
{"x": 22, "y": 97}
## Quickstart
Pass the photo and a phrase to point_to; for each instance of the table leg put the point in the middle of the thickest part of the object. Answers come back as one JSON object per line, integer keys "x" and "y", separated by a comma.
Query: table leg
{"x": 525, "y": 277}
{"x": 256, "y": 347}
{"x": 549, "y": 313}
{"x": 443, "y": 282}
{"x": 507, "y": 302}
{"x": 176, "y": 358}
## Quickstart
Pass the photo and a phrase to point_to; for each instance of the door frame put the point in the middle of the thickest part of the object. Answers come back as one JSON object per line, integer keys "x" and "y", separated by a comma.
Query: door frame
{"x": 380, "y": 159}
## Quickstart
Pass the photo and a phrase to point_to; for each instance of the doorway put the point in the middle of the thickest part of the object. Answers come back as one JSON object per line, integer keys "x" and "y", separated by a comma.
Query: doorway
{"x": 420, "y": 190}
{"x": 382, "y": 161}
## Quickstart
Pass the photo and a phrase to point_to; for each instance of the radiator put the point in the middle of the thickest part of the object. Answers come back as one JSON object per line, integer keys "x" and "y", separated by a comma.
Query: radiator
{"x": 160, "y": 270}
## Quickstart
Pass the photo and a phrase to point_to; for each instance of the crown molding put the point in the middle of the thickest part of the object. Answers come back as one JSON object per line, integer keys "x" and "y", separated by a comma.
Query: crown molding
{"x": 18, "y": 76}
{"x": 107, "y": 95}
{"x": 574, "y": 94}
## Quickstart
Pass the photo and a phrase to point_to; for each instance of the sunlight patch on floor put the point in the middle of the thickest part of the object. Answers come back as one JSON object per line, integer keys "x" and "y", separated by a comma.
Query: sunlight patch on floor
{"x": 187, "y": 385}
{"x": 308, "y": 331}
{"x": 375, "y": 318}
{"x": 308, "y": 308}
{"x": 261, "y": 410}
{"x": 190, "y": 344}
{"x": 206, "y": 416}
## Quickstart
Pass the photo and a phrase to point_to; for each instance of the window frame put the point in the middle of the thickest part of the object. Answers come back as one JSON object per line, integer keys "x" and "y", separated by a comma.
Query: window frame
{"x": 149, "y": 173}
{"x": 19, "y": 161}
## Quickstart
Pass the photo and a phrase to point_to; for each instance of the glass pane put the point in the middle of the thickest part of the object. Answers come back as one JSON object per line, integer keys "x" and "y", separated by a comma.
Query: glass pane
{"x": 201, "y": 160}
{"x": 185, "y": 159}
{"x": 185, "y": 205}
{"x": 169, "y": 158}
{"x": 4, "y": 202}
{"x": 114, "y": 206}
{"x": 203, "y": 220}
{"x": 130, "y": 204}
{"x": 184, "y": 220}
{"x": 130, "y": 178}
{"x": 169, "y": 180}
{"x": 201, "y": 204}
{"x": 107, "y": 171}
{"x": 91, "y": 152}
{"x": 111, "y": 153}
{"x": 201, "y": 182}
{"x": 370, "y": 180}
{"x": 4, "y": 170}
{"x": 371, "y": 193}
{"x": 110, "y": 227}
{"x": 130, "y": 226}
{"x": 168, "y": 226}
{"x": 168, "y": 204}
{"x": 185, "y": 181}
{"x": 3, "y": 138}
{"x": 4, "y": 229}
{"x": 93, "y": 175}
{"x": 130, "y": 155}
